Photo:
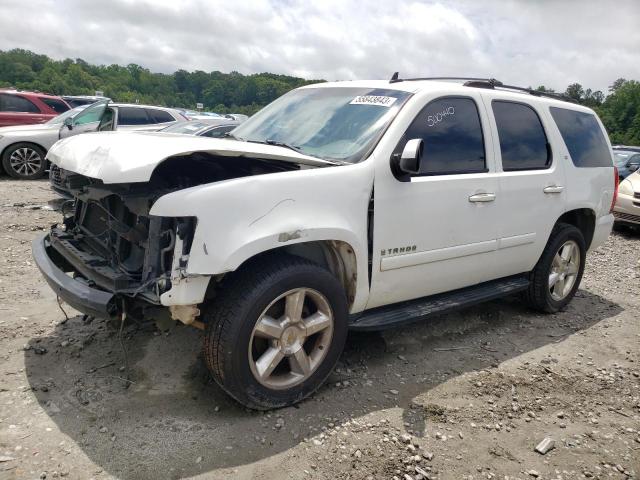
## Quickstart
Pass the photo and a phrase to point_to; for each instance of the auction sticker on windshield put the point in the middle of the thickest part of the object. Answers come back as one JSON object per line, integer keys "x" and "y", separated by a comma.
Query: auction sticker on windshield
{"x": 379, "y": 100}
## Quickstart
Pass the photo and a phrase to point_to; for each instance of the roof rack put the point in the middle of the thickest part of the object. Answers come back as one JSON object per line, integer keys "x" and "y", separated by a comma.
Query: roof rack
{"x": 490, "y": 83}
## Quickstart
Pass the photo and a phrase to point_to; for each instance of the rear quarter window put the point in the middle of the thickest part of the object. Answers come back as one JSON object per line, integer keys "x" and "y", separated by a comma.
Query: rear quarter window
{"x": 583, "y": 137}
{"x": 57, "y": 105}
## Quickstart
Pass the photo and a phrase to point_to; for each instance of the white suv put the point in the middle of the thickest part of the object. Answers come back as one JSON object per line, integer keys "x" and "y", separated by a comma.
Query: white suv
{"x": 352, "y": 205}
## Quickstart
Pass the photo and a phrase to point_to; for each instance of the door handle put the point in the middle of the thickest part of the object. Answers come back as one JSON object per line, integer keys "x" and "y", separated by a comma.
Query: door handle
{"x": 553, "y": 189}
{"x": 482, "y": 197}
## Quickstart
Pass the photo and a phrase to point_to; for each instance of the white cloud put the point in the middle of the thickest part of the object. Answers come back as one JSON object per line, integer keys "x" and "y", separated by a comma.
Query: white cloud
{"x": 518, "y": 41}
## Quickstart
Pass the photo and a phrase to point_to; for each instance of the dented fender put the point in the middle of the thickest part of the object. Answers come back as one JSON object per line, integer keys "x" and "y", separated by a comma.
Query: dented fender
{"x": 240, "y": 218}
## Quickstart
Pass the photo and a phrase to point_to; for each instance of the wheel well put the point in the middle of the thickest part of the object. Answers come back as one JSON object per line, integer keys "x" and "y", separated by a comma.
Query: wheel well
{"x": 584, "y": 219}
{"x": 336, "y": 256}
{"x": 14, "y": 143}
{"x": 27, "y": 142}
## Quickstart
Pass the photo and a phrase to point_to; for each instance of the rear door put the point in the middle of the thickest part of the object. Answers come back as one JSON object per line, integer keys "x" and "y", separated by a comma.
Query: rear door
{"x": 18, "y": 110}
{"x": 436, "y": 231}
{"x": 532, "y": 181}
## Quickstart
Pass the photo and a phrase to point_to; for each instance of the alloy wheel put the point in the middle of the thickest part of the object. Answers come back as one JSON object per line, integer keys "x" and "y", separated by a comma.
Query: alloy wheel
{"x": 564, "y": 270}
{"x": 25, "y": 161}
{"x": 291, "y": 338}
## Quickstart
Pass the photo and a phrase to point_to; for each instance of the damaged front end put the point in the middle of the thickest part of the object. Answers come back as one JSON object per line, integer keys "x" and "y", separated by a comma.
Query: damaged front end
{"x": 109, "y": 255}
{"x": 110, "y": 243}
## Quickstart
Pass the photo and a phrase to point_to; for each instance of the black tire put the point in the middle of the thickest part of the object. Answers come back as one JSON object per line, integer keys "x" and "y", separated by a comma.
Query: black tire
{"x": 538, "y": 296}
{"x": 230, "y": 319}
{"x": 28, "y": 173}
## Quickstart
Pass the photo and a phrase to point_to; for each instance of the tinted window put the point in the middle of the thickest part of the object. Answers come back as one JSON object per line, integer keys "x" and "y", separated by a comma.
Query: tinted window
{"x": 523, "y": 142}
{"x": 218, "y": 132}
{"x": 57, "y": 105}
{"x": 583, "y": 137}
{"x": 159, "y": 116}
{"x": 132, "y": 116}
{"x": 452, "y": 134}
{"x": 15, "y": 103}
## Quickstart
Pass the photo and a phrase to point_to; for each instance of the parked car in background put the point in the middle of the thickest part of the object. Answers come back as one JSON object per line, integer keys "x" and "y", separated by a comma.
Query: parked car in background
{"x": 77, "y": 100}
{"x": 27, "y": 108}
{"x": 240, "y": 117}
{"x": 627, "y": 162}
{"x": 202, "y": 128}
{"x": 23, "y": 148}
{"x": 626, "y": 147}
{"x": 627, "y": 207}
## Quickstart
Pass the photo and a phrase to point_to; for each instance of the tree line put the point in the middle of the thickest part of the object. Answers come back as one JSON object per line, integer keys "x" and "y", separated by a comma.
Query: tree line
{"x": 234, "y": 92}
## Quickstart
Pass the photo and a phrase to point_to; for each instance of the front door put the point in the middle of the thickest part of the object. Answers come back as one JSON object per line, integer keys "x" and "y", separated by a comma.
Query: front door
{"x": 85, "y": 121}
{"x": 436, "y": 231}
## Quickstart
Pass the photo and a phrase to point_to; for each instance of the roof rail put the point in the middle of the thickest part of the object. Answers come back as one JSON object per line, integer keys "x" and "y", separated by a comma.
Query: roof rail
{"x": 490, "y": 83}
{"x": 530, "y": 91}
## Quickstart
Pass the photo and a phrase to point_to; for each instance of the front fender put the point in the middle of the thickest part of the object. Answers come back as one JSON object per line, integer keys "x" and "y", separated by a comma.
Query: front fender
{"x": 240, "y": 218}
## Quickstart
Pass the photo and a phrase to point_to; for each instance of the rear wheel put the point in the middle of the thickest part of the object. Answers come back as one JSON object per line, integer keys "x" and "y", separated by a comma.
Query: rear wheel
{"x": 24, "y": 160}
{"x": 557, "y": 275}
{"x": 276, "y": 331}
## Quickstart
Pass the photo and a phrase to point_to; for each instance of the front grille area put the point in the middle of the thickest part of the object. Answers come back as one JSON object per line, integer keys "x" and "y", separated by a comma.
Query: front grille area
{"x": 627, "y": 217}
{"x": 54, "y": 176}
{"x": 110, "y": 240}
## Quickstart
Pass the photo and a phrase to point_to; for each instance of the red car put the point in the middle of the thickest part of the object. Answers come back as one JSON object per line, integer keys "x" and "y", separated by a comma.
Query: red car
{"x": 24, "y": 108}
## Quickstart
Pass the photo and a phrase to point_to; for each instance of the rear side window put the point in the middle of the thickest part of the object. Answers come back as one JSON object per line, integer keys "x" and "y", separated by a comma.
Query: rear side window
{"x": 452, "y": 134}
{"x": 523, "y": 143}
{"x": 132, "y": 116}
{"x": 159, "y": 116}
{"x": 583, "y": 137}
{"x": 57, "y": 105}
{"x": 16, "y": 103}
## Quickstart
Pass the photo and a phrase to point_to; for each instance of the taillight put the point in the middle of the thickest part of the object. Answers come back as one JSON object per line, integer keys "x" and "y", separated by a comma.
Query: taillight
{"x": 616, "y": 182}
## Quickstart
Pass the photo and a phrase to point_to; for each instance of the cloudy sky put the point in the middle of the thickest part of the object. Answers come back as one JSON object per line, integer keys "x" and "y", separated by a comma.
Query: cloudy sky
{"x": 524, "y": 42}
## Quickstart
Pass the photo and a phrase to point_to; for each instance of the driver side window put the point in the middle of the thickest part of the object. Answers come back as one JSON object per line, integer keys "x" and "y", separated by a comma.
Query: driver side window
{"x": 452, "y": 134}
{"x": 91, "y": 114}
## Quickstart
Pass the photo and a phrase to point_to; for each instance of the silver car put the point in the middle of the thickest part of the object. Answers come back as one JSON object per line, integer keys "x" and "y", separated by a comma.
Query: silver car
{"x": 23, "y": 148}
{"x": 203, "y": 128}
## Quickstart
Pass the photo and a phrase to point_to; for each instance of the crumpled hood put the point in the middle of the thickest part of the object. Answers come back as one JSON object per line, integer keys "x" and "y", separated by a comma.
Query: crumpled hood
{"x": 130, "y": 157}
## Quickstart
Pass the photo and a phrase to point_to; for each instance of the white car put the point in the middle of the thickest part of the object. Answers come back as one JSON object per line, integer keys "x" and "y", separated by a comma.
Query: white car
{"x": 351, "y": 205}
{"x": 23, "y": 147}
{"x": 627, "y": 205}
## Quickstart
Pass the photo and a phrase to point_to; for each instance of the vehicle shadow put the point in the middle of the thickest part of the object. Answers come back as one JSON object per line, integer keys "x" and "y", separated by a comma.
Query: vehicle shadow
{"x": 169, "y": 420}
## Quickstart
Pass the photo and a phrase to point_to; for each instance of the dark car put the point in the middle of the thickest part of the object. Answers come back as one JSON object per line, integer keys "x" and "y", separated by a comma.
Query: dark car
{"x": 26, "y": 108}
{"x": 627, "y": 162}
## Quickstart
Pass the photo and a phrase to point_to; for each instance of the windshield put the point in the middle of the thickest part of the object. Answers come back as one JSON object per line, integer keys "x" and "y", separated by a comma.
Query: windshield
{"x": 69, "y": 113}
{"x": 339, "y": 123}
{"x": 185, "y": 127}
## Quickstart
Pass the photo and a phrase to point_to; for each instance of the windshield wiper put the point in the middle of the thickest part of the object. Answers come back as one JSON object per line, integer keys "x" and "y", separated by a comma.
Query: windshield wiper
{"x": 275, "y": 143}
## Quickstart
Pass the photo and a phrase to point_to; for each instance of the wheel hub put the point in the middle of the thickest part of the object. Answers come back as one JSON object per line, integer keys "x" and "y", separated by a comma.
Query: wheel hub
{"x": 292, "y": 340}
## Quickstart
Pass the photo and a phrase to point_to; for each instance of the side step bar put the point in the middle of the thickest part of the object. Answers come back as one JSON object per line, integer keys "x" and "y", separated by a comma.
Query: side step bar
{"x": 411, "y": 311}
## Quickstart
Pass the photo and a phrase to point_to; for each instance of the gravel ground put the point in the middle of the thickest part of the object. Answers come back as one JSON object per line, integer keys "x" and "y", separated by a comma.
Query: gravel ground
{"x": 463, "y": 396}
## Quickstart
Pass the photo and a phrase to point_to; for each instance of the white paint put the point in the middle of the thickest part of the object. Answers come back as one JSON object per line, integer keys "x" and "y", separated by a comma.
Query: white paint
{"x": 458, "y": 243}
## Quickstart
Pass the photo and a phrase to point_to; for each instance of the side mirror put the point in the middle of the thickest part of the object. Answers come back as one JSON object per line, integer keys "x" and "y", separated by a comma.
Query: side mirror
{"x": 411, "y": 156}
{"x": 68, "y": 123}
{"x": 633, "y": 166}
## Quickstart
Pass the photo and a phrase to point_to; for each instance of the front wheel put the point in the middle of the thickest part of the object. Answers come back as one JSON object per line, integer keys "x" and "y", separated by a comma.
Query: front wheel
{"x": 275, "y": 331}
{"x": 24, "y": 161}
{"x": 556, "y": 277}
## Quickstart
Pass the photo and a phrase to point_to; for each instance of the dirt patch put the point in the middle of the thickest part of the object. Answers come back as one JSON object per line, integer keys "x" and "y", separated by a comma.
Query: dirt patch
{"x": 466, "y": 395}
